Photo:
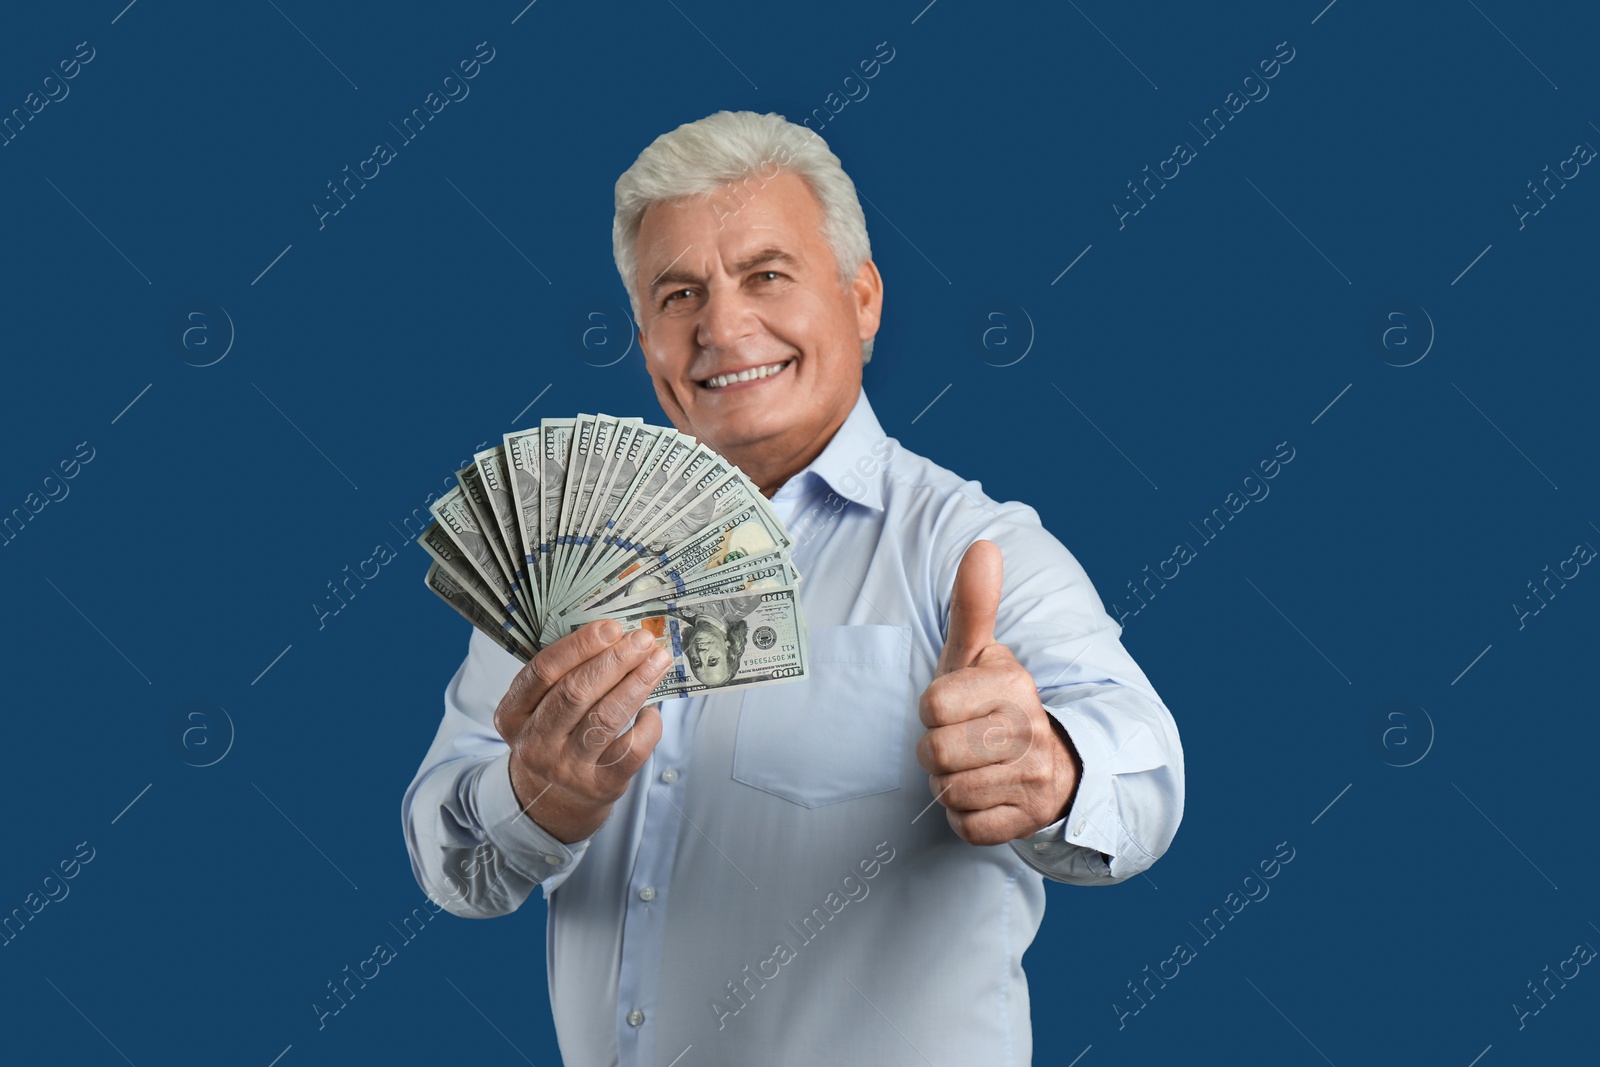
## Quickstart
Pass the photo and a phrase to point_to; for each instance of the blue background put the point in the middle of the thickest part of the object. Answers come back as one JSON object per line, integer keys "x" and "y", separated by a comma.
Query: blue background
{"x": 1344, "y": 661}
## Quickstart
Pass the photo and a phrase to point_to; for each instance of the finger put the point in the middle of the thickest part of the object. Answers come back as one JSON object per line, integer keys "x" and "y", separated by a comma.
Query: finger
{"x": 974, "y": 603}
{"x": 1003, "y": 736}
{"x": 967, "y": 694}
{"x": 978, "y": 788}
{"x": 565, "y": 708}
{"x": 991, "y": 826}
{"x": 624, "y": 756}
{"x": 541, "y": 673}
{"x": 609, "y": 716}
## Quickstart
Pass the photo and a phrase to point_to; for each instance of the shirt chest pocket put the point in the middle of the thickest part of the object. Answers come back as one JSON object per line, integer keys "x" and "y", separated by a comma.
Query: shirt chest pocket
{"x": 841, "y": 732}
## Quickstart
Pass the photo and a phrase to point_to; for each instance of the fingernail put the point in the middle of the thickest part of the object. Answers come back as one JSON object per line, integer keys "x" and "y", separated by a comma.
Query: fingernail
{"x": 641, "y": 639}
{"x": 610, "y": 630}
{"x": 659, "y": 659}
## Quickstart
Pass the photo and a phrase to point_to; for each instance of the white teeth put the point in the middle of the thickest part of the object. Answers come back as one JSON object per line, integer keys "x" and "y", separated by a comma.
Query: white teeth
{"x": 746, "y": 375}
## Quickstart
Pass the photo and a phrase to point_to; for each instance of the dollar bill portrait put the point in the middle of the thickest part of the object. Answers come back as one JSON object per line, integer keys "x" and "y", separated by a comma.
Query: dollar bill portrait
{"x": 714, "y": 637}
{"x": 732, "y": 832}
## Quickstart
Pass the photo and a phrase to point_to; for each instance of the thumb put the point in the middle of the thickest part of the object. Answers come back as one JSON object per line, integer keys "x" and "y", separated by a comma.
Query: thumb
{"x": 974, "y": 602}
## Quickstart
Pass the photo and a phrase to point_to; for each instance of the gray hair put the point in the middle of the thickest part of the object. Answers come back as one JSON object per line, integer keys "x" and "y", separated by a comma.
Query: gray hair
{"x": 737, "y": 148}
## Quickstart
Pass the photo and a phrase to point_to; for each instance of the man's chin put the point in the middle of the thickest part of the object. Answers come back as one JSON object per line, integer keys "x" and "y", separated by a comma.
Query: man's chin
{"x": 740, "y": 427}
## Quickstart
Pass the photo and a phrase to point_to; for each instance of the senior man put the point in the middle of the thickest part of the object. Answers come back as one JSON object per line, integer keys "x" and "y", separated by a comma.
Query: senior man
{"x": 845, "y": 869}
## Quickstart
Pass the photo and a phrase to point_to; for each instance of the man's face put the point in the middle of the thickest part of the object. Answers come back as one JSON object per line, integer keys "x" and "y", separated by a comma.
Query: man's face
{"x": 726, "y": 287}
{"x": 707, "y": 654}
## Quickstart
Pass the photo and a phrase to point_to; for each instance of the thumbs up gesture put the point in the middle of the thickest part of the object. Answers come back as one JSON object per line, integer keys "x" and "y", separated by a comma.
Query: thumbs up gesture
{"x": 996, "y": 759}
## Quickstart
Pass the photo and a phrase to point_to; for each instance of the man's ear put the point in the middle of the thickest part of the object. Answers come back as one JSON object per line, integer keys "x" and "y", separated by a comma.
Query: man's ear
{"x": 866, "y": 293}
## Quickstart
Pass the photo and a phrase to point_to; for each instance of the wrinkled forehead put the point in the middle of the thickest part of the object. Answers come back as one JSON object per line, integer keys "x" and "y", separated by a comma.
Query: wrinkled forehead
{"x": 702, "y": 233}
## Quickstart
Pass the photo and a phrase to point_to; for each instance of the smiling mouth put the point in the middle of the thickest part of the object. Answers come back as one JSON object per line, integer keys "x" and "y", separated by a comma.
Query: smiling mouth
{"x": 766, "y": 370}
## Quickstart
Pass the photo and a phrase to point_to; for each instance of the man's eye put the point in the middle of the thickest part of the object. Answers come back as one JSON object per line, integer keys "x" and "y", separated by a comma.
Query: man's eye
{"x": 769, "y": 275}
{"x": 674, "y": 295}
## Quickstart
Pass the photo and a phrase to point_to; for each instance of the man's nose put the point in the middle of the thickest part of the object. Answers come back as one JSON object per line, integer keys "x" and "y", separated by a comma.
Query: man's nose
{"x": 725, "y": 318}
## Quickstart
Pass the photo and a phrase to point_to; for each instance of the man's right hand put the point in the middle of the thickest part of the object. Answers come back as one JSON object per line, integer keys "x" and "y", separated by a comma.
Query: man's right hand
{"x": 561, "y": 717}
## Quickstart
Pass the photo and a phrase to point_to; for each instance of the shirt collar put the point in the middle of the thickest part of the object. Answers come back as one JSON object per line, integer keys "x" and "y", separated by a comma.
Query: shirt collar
{"x": 853, "y": 462}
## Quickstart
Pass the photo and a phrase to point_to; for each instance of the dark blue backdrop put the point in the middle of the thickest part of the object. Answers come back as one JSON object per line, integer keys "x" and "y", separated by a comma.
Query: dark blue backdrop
{"x": 1357, "y": 661}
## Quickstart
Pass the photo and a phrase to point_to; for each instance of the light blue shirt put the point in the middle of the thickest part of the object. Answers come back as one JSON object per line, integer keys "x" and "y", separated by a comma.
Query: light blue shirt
{"x": 777, "y": 885}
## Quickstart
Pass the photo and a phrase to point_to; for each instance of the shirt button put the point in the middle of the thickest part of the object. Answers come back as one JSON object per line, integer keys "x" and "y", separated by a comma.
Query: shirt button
{"x": 648, "y": 893}
{"x": 552, "y": 859}
{"x": 1082, "y": 823}
{"x": 669, "y": 775}
{"x": 635, "y": 1017}
{"x": 1041, "y": 846}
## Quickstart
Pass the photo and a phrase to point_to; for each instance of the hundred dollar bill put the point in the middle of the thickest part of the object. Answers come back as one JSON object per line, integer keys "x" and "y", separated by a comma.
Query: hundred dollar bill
{"x": 722, "y": 642}
{"x": 555, "y": 437}
{"x": 477, "y": 502}
{"x": 770, "y": 570}
{"x": 648, "y": 487}
{"x": 701, "y": 502}
{"x": 610, "y": 439}
{"x": 659, "y": 470}
{"x": 484, "y": 481}
{"x": 445, "y": 587}
{"x": 438, "y": 545}
{"x": 746, "y": 532}
{"x": 684, "y": 484}
{"x": 662, "y": 485}
{"x": 621, "y": 469}
{"x": 454, "y": 515}
{"x": 523, "y": 450}
{"x": 697, "y": 503}
{"x": 496, "y": 478}
{"x": 583, "y": 435}
{"x": 609, "y": 435}
{"x": 588, "y": 432}
{"x": 626, "y": 474}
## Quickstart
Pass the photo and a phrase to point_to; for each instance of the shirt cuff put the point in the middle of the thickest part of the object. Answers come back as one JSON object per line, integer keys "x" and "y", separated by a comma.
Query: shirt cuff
{"x": 525, "y": 845}
{"x": 1044, "y": 842}
{"x": 1082, "y": 845}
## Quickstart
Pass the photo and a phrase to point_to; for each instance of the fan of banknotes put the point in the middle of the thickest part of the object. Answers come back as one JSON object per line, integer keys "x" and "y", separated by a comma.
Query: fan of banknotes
{"x": 601, "y": 517}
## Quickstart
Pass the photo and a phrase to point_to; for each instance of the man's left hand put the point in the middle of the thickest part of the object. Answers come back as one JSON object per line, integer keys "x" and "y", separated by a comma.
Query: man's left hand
{"x": 994, "y": 758}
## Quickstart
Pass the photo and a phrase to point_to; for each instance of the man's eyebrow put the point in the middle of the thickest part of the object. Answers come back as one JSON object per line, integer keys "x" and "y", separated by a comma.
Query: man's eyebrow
{"x": 769, "y": 254}
{"x": 669, "y": 266}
